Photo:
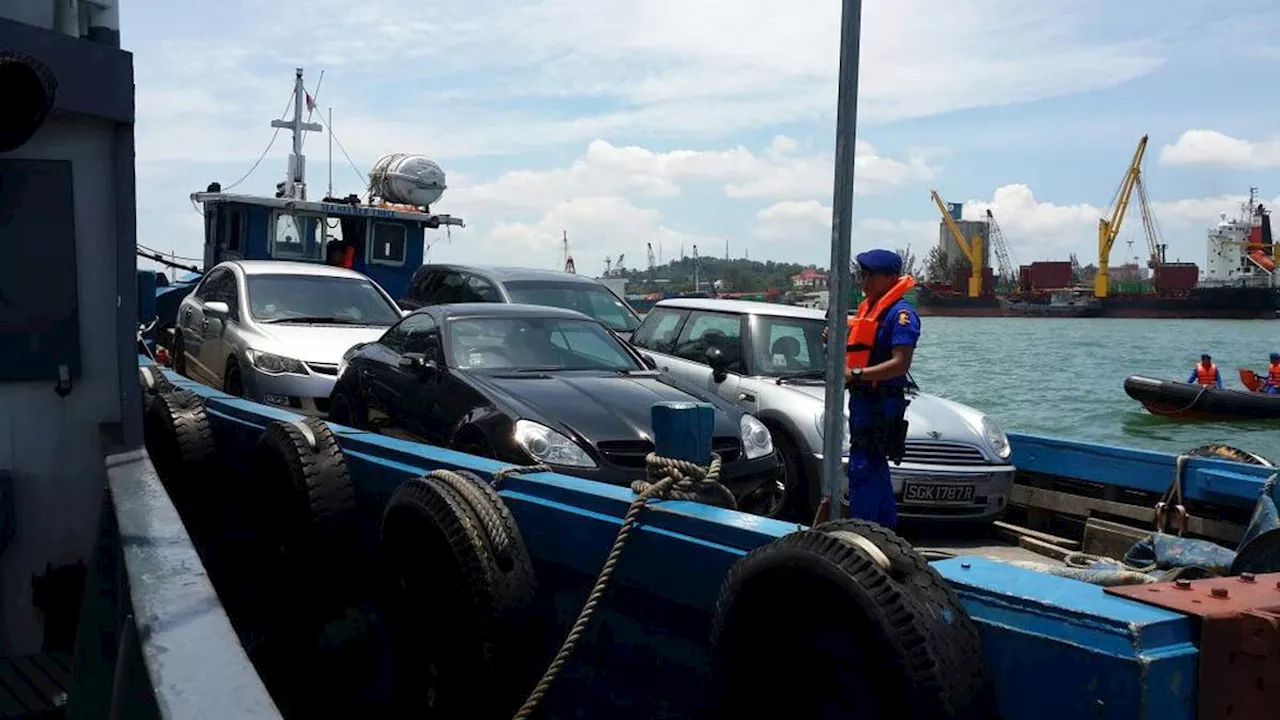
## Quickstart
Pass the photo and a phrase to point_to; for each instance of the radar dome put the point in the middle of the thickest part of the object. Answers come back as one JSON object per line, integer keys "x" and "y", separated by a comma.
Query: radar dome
{"x": 409, "y": 179}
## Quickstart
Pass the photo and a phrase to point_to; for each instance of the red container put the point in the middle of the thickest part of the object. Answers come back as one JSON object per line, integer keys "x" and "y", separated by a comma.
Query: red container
{"x": 1171, "y": 277}
{"x": 1050, "y": 275}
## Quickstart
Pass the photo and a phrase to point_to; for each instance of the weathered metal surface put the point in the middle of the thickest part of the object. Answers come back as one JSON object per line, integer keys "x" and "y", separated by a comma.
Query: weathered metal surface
{"x": 1079, "y": 506}
{"x": 154, "y": 640}
{"x": 1205, "y": 479}
{"x": 1058, "y": 648}
{"x": 90, "y": 75}
{"x": 1239, "y": 639}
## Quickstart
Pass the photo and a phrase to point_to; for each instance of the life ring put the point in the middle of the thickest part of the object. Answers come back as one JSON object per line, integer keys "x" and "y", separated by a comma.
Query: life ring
{"x": 844, "y": 608}
{"x": 461, "y": 586}
{"x": 306, "y": 512}
{"x": 180, "y": 442}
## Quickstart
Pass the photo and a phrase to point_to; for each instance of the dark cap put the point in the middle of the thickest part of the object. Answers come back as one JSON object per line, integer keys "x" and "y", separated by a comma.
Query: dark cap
{"x": 1205, "y": 356}
{"x": 884, "y": 262}
{"x": 1275, "y": 357}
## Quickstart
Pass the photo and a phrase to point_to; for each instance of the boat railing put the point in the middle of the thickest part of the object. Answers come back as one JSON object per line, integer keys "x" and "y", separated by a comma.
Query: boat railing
{"x": 154, "y": 640}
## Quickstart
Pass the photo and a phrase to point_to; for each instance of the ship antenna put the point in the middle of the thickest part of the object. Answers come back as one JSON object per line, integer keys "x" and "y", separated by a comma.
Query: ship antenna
{"x": 296, "y": 186}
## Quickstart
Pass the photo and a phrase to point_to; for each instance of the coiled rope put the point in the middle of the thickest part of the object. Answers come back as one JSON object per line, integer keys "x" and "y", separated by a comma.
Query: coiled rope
{"x": 666, "y": 478}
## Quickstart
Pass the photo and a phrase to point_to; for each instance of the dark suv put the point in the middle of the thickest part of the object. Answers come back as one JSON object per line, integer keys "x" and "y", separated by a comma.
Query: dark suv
{"x": 447, "y": 284}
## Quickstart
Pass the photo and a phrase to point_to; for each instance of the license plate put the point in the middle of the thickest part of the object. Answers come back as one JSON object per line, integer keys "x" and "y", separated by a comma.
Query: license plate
{"x": 937, "y": 493}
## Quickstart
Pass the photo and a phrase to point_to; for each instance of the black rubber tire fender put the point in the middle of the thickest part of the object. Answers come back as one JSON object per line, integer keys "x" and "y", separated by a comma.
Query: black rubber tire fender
{"x": 458, "y": 611}
{"x": 179, "y": 441}
{"x": 153, "y": 383}
{"x": 310, "y": 506}
{"x": 1227, "y": 452}
{"x": 938, "y": 599}
{"x": 789, "y": 599}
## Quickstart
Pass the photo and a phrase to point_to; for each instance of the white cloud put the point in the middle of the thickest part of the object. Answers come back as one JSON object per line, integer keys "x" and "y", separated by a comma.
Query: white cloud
{"x": 434, "y": 77}
{"x": 1043, "y": 230}
{"x": 1209, "y": 147}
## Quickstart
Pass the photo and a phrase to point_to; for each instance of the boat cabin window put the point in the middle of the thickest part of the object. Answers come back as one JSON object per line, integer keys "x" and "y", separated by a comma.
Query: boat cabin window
{"x": 297, "y": 236}
{"x": 233, "y": 230}
{"x": 387, "y": 243}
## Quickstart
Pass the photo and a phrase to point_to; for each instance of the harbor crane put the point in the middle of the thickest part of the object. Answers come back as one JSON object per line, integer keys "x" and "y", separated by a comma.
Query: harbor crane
{"x": 1109, "y": 225}
{"x": 972, "y": 249}
{"x": 1008, "y": 271}
{"x": 568, "y": 259}
{"x": 653, "y": 266}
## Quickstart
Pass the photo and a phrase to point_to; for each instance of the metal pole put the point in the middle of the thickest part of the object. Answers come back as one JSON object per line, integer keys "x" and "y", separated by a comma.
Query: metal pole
{"x": 840, "y": 277}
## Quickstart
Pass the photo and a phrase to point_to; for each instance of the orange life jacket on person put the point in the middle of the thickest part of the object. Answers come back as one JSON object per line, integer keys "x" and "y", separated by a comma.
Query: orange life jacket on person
{"x": 1207, "y": 376}
{"x": 863, "y": 326}
{"x": 1273, "y": 374}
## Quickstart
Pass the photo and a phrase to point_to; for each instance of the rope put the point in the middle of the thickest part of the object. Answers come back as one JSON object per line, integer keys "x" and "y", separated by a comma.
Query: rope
{"x": 507, "y": 472}
{"x": 1173, "y": 494}
{"x": 1179, "y": 411}
{"x": 666, "y": 478}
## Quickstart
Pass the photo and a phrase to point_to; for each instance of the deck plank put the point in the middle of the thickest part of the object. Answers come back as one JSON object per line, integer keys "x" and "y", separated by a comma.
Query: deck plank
{"x": 47, "y": 687}
{"x": 10, "y": 707}
{"x": 21, "y": 690}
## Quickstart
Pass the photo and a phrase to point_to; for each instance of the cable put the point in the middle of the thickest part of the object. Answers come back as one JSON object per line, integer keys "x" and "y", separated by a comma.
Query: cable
{"x": 344, "y": 152}
{"x": 256, "y": 163}
{"x": 315, "y": 98}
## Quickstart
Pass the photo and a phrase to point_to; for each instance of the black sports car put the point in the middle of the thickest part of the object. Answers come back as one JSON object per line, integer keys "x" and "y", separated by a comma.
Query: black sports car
{"x": 525, "y": 384}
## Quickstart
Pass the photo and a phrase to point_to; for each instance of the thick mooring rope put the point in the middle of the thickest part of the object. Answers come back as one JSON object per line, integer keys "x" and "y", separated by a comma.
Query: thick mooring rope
{"x": 666, "y": 478}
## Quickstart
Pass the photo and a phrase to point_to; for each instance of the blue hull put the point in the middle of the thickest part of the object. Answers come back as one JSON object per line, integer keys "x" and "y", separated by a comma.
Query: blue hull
{"x": 1054, "y": 647}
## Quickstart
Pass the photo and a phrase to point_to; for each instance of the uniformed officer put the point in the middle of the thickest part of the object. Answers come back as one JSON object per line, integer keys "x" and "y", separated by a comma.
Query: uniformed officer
{"x": 881, "y": 342}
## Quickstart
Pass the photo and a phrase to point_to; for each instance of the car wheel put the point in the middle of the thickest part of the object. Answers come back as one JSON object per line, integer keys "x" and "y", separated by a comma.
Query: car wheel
{"x": 475, "y": 446}
{"x": 179, "y": 359}
{"x": 345, "y": 411}
{"x": 232, "y": 382}
{"x": 794, "y": 478}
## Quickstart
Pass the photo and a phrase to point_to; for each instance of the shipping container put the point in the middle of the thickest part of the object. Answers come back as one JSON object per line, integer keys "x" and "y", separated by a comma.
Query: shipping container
{"x": 1050, "y": 275}
{"x": 1172, "y": 277}
{"x": 1024, "y": 279}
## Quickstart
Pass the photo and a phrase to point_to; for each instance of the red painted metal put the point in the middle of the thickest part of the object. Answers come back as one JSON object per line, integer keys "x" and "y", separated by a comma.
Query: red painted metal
{"x": 1050, "y": 275}
{"x": 1239, "y": 639}
{"x": 1024, "y": 279}
{"x": 1172, "y": 277}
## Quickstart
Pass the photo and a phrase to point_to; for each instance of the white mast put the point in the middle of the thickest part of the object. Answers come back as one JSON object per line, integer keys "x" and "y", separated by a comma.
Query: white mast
{"x": 295, "y": 186}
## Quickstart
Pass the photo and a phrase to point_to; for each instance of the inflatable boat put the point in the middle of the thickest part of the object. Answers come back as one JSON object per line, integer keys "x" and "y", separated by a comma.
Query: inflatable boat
{"x": 1177, "y": 399}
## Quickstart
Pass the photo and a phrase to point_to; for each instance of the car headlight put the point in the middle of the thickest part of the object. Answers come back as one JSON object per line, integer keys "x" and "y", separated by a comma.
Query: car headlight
{"x": 756, "y": 440}
{"x": 995, "y": 436}
{"x": 548, "y": 446}
{"x": 822, "y": 417}
{"x": 273, "y": 364}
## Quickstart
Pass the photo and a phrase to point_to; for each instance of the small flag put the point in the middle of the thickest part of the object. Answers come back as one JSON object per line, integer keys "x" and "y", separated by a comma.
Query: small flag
{"x": 311, "y": 104}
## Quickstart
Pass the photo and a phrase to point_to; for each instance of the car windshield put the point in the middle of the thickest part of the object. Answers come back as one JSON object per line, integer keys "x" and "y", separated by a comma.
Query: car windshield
{"x": 319, "y": 298}
{"x": 534, "y": 344}
{"x": 785, "y": 346}
{"x": 594, "y": 301}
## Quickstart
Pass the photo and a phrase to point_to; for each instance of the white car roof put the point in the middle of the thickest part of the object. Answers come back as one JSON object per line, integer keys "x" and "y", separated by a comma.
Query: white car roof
{"x": 743, "y": 307}
{"x": 284, "y": 267}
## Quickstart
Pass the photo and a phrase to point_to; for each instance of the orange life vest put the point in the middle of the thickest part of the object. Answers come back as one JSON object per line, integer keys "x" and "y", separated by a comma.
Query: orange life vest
{"x": 1273, "y": 374}
{"x": 1207, "y": 376}
{"x": 863, "y": 326}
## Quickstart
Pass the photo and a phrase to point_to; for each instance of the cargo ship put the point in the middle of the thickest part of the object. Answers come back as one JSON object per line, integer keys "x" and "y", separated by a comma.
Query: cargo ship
{"x": 1240, "y": 281}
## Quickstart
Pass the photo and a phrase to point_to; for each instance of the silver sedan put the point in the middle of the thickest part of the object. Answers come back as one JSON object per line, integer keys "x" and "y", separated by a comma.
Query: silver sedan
{"x": 275, "y": 331}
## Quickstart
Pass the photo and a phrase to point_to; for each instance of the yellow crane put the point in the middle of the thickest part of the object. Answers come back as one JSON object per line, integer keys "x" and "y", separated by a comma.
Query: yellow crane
{"x": 1109, "y": 227}
{"x": 972, "y": 249}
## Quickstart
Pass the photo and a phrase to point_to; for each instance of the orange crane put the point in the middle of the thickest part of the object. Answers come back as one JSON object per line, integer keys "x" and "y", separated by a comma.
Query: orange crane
{"x": 1109, "y": 226}
{"x": 972, "y": 249}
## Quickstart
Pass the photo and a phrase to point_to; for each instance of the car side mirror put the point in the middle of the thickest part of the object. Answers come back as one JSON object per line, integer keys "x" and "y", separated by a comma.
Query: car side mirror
{"x": 719, "y": 364}
{"x": 217, "y": 308}
{"x": 418, "y": 364}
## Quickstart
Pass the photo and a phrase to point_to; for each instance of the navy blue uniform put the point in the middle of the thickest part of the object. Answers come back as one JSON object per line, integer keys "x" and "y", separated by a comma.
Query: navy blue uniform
{"x": 870, "y": 487}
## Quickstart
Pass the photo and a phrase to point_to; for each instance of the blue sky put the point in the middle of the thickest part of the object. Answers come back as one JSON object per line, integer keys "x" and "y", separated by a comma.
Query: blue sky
{"x": 706, "y": 121}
